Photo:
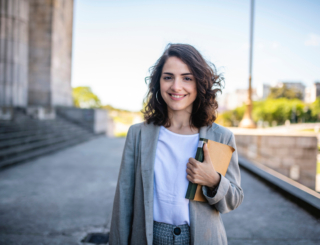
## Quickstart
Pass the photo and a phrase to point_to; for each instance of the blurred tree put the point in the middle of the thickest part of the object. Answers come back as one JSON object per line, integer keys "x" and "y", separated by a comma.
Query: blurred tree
{"x": 111, "y": 108}
{"x": 278, "y": 110}
{"x": 231, "y": 118}
{"x": 83, "y": 97}
{"x": 315, "y": 108}
{"x": 225, "y": 119}
{"x": 274, "y": 110}
{"x": 284, "y": 92}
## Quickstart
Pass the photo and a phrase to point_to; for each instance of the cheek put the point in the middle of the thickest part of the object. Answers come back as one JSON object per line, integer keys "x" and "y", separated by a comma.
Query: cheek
{"x": 193, "y": 91}
{"x": 194, "y": 96}
{"x": 163, "y": 90}
{"x": 163, "y": 86}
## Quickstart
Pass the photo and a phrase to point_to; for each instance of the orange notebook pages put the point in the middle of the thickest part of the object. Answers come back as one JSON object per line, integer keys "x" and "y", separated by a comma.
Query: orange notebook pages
{"x": 220, "y": 155}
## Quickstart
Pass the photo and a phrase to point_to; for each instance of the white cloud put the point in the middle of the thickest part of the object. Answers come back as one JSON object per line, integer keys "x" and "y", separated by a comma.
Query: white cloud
{"x": 313, "y": 40}
{"x": 245, "y": 46}
{"x": 275, "y": 45}
{"x": 260, "y": 45}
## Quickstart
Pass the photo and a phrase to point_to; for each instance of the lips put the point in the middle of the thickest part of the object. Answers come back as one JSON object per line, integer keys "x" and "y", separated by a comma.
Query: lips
{"x": 177, "y": 96}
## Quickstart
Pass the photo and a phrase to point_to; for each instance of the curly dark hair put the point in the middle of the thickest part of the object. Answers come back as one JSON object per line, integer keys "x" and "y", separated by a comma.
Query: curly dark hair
{"x": 208, "y": 81}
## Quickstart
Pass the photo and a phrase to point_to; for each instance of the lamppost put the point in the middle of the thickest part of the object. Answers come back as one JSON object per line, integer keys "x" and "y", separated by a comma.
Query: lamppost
{"x": 247, "y": 121}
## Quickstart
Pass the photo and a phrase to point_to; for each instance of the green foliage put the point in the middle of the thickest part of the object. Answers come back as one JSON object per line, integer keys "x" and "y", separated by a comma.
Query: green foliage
{"x": 278, "y": 110}
{"x": 120, "y": 134}
{"x": 231, "y": 118}
{"x": 284, "y": 92}
{"x": 83, "y": 97}
{"x": 274, "y": 110}
{"x": 122, "y": 119}
{"x": 122, "y": 116}
{"x": 315, "y": 108}
{"x": 111, "y": 108}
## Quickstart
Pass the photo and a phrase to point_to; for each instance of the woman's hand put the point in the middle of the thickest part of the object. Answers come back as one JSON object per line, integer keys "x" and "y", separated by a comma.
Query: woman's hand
{"x": 203, "y": 173}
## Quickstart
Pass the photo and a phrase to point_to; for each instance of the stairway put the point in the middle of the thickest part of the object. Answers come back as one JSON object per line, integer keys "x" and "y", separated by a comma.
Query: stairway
{"x": 25, "y": 138}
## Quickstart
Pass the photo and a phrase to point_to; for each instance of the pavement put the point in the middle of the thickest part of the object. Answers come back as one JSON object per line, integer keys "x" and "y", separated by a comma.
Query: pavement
{"x": 59, "y": 198}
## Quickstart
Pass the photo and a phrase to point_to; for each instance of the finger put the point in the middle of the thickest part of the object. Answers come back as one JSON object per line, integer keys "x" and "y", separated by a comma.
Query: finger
{"x": 190, "y": 167}
{"x": 190, "y": 172}
{"x": 193, "y": 162}
{"x": 189, "y": 177}
{"x": 206, "y": 153}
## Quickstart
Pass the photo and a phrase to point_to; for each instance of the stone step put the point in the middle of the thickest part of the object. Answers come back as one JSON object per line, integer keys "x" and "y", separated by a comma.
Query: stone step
{"x": 32, "y": 126}
{"x": 10, "y": 152}
{"x": 42, "y": 151}
{"x": 42, "y": 130}
{"x": 13, "y": 142}
{"x": 40, "y": 127}
{"x": 25, "y": 138}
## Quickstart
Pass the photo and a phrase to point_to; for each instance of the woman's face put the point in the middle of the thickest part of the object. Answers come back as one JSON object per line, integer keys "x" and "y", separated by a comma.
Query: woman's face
{"x": 177, "y": 85}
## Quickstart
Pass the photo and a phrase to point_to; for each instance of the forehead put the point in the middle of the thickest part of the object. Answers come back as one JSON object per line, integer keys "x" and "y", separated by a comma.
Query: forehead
{"x": 175, "y": 65}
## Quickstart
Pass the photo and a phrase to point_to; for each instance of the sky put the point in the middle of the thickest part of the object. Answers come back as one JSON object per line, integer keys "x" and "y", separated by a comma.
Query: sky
{"x": 116, "y": 42}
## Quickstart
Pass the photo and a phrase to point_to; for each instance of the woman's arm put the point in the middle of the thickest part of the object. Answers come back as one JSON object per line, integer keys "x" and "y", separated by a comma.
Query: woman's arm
{"x": 121, "y": 222}
{"x": 229, "y": 194}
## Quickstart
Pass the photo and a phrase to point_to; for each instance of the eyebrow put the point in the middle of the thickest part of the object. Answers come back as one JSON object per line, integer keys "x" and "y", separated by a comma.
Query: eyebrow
{"x": 181, "y": 74}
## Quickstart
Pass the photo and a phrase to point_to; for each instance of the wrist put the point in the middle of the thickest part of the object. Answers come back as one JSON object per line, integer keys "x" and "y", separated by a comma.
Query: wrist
{"x": 216, "y": 181}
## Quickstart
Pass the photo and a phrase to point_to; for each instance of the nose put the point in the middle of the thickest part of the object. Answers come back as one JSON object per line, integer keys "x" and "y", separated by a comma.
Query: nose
{"x": 176, "y": 85}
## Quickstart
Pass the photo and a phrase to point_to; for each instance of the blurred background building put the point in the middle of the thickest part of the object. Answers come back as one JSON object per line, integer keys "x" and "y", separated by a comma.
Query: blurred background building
{"x": 36, "y": 49}
{"x": 36, "y": 105}
{"x": 311, "y": 93}
{"x": 232, "y": 100}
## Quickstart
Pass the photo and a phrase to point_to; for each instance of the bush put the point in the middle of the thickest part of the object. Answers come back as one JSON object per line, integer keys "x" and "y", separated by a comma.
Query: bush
{"x": 278, "y": 110}
{"x": 315, "y": 108}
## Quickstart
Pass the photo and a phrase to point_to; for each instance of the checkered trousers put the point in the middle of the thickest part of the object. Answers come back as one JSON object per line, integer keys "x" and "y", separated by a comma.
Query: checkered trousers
{"x": 166, "y": 234}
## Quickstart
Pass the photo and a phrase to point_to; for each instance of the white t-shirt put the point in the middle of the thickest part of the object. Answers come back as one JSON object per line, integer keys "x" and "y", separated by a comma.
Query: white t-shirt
{"x": 170, "y": 177}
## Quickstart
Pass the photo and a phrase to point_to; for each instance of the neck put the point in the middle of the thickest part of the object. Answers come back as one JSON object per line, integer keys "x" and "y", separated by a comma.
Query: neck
{"x": 179, "y": 119}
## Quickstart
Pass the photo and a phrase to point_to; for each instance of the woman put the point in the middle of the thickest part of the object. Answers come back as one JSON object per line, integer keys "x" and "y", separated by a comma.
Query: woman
{"x": 158, "y": 159}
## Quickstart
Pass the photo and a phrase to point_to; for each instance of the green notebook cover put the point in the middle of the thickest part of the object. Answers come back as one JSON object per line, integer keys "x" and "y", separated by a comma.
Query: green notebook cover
{"x": 199, "y": 157}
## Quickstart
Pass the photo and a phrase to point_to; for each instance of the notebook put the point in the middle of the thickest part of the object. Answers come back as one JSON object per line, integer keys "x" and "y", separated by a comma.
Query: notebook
{"x": 220, "y": 155}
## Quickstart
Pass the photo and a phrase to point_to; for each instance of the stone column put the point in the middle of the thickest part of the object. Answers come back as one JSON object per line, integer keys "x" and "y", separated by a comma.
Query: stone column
{"x": 13, "y": 53}
{"x": 50, "y": 45}
{"x": 62, "y": 26}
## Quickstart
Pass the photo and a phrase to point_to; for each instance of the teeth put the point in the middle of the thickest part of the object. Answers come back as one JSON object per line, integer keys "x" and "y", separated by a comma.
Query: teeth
{"x": 177, "y": 96}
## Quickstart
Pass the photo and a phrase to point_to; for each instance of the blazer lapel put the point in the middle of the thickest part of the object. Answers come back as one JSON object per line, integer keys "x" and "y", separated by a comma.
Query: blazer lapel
{"x": 214, "y": 135}
{"x": 149, "y": 140}
{"x": 210, "y": 134}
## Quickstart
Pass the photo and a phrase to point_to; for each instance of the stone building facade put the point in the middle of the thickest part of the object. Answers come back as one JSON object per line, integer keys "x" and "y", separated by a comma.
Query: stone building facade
{"x": 35, "y": 53}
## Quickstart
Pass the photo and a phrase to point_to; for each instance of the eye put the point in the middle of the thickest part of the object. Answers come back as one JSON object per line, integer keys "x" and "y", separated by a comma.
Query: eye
{"x": 188, "y": 78}
{"x": 167, "y": 78}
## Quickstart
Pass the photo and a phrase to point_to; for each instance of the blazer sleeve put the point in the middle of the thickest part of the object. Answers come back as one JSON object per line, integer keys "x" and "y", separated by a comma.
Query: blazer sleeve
{"x": 121, "y": 221}
{"x": 229, "y": 194}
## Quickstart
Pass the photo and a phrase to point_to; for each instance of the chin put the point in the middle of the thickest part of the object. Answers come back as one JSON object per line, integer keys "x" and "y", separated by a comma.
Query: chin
{"x": 178, "y": 108}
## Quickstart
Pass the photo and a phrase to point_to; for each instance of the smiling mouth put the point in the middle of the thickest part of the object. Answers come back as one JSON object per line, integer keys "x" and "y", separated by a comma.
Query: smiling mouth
{"x": 177, "y": 96}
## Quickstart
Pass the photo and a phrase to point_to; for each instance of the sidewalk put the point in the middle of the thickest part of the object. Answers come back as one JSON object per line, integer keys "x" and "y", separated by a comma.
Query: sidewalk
{"x": 58, "y": 199}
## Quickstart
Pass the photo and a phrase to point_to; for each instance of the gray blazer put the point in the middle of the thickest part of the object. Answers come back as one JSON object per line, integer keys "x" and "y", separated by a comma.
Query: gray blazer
{"x": 132, "y": 216}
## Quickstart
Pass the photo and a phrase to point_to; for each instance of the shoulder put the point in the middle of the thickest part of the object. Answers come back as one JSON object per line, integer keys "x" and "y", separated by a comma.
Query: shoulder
{"x": 226, "y": 134}
{"x": 139, "y": 130}
{"x": 136, "y": 128}
{"x": 139, "y": 126}
{"x": 220, "y": 129}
